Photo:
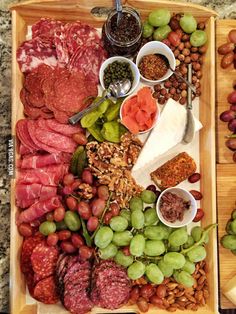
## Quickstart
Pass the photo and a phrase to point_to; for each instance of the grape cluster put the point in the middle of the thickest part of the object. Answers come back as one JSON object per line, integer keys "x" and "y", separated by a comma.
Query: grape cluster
{"x": 228, "y": 50}
{"x": 230, "y": 117}
{"x": 136, "y": 239}
{"x": 228, "y": 241}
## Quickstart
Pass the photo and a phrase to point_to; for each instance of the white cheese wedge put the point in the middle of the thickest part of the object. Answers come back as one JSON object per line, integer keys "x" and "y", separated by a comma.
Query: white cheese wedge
{"x": 167, "y": 133}
{"x": 229, "y": 290}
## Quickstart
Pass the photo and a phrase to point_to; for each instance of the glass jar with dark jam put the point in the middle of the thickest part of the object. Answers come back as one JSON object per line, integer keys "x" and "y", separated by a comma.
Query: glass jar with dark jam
{"x": 123, "y": 38}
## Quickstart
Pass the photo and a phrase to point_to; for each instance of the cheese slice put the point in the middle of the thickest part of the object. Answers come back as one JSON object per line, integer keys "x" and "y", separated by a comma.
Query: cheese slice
{"x": 167, "y": 133}
{"x": 229, "y": 290}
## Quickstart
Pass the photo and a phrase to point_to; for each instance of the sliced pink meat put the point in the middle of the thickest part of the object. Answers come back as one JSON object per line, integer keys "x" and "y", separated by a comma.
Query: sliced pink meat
{"x": 24, "y": 136}
{"x": 53, "y": 139}
{"x": 23, "y": 150}
{"x": 39, "y": 161}
{"x": 50, "y": 175}
{"x": 61, "y": 46}
{"x": 34, "y": 52}
{"x": 62, "y": 128}
{"x": 38, "y": 209}
{"x": 28, "y": 191}
{"x": 45, "y": 27}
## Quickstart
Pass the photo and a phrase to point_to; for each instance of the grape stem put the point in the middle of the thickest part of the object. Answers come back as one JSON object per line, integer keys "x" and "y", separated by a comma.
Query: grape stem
{"x": 202, "y": 239}
{"x": 103, "y": 214}
{"x": 231, "y": 136}
{"x": 86, "y": 235}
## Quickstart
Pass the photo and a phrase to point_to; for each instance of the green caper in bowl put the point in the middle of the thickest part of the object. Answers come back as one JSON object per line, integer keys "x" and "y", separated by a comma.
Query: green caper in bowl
{"x": 116, "y": 71}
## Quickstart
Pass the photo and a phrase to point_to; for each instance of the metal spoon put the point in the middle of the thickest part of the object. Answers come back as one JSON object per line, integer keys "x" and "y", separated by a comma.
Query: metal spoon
{"x": 190, "y": 85}
{"x": 190, "y": 124}
{"x": 119, "y": 11}
{"x": 116, "y": 89}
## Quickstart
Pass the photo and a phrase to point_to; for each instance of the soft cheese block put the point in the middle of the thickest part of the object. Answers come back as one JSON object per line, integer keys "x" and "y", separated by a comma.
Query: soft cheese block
{"x": 229, "y": 290}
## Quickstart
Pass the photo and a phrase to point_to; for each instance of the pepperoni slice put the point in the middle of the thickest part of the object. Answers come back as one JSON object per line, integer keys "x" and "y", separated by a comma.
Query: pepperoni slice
{"x": 44, "y": 259}
{"x": 45, "y": 291}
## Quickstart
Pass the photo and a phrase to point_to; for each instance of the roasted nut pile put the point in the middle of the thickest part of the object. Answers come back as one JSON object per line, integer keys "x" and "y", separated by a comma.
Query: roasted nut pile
{"x": 172, "y": 296}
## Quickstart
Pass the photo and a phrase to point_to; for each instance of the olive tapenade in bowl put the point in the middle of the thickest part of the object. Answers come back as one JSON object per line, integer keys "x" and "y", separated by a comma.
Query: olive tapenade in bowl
{"x": 176, "y": 207}
{"x": 154, "y": 61}
{"x": 118, "y": 68}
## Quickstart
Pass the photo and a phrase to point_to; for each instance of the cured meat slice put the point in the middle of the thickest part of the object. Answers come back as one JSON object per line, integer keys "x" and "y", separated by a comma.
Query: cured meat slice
{"x": 34, "y": 52}
{"x": 24, "y": 136}
{"x": 28, "y": 191}
{"x": 45, "y": 291}
{"x": 77, "y": 301}
{"x": 78, "y": 34}
{"x": 33, "y": 132}
{"x": 88, "y": 59}
{"x": 61, "y": 46}
{"x": 45, "y": 27}
{"x": 53, "y": 139}
{"x": 47, "y": 192}
{"x": 23, "y": 150}
{"x": 44, "y": 259}
{"x": 38, "y": 209}
{"x": 62, "y": 128}
{"x": 114, "y": 297}
{"x": 27, "y": 249}
{"x": 39, "y": 161}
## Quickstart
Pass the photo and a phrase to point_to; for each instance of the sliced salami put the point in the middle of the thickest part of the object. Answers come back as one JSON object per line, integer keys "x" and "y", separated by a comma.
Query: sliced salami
{"x": 62, "y": 128}
{"x": 44, "y": 260}
{"x": 45, "y": 291}
{"x": 24, "y": 136}
{"x": 45, "y": 27}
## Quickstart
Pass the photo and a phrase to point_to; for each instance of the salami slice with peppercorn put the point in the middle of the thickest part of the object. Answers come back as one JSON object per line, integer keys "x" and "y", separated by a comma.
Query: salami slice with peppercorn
{"x": 45, "y": 291}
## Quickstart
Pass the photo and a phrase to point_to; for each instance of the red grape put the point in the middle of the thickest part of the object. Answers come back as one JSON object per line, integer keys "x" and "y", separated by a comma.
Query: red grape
{"x": 232, "y": 97}
{"x": 84, "y": 210}
{"x": 92, "y": 223}
{"x": 68, "y": 247}
{"x": 174, "y": 39}
{"x": 71, "y": 202}
{"x": 77, "y": 240}
{"x": 147, "y": 291}
{"x": 50, "y": 216}
{"x": 199, "y": 215}
{"x": 126, "y": 251}
{"x": 231, "y": 144}
{"x": 103, "y": 192}
{"x": 64, "y": 235}
{"x": 85, "y": 252}
{"x": 25, "y": 230}
{"x": 115, "y": 209}
{"x": 67, "y": 190}
{"x": 75, "y": 185}
{"x": 107, "y": 218}
{"x": 227, "y": 115}
{"x": 232, "y": 125}
{"x": 232, "y": 36}
{"x": 94, "y": 191}
{"x": 152, "y": 188}
{"x": 98, "y": 206}
{"x": 59, "y": 214}
{"x": 52, "y": 239}
{"x": 233, "y": 107}
{"x": 87, "y": 177}
{"x": 68, "y": 179}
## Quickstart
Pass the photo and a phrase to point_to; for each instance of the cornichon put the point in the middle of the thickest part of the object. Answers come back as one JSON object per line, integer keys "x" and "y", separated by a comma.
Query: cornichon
{"x": 74, "y": 159}
{"x": 81, "y": 162}
{"x": 95, "y": 130}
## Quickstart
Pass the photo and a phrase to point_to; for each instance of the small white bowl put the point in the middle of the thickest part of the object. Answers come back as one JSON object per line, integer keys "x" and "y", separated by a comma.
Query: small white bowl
{"x": 189, "y": 214}
{"x": 157, "y": 47}
{"x": 133, "y": 67}
{"x": 156, "y": 117}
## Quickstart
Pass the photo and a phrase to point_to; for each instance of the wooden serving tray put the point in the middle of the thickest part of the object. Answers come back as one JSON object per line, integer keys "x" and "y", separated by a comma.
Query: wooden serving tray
{"x": 224, "y": 81}
{"x": 25, "y": 14}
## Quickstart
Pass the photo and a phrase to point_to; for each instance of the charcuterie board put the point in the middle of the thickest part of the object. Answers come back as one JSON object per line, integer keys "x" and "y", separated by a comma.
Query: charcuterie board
{"x": 25, "y": 14}
{"x": 224, "y": 81}
{"x": 226, "y": 187}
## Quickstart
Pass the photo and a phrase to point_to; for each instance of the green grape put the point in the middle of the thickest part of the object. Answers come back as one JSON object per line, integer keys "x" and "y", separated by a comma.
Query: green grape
{"x": 196, "y": 233}
{"x": 72, "y": 220}
{"x": 166, "y": 270}
{"x": 137, "y": 219}
{"x": 150, "y": 216}
{"x": 154, "y": 248}
{"x": 118, "y": 223}
{"x": 161, "y": 32}
{"x": 136, "y": 203}
{"x": 126, "y": 214}
{"x": 233, "y": 251}
{"x": 189, "y": 242}
{"x": 154, "y": 274}
{"x": 156, "y": 232}
{"x": 175, "y": 275}
{"x": 185, "y": 279}
{"x": 137, "y": 245}
{"x": 233, "y": 214}
{"x": 227, "y": 227}
{"x": 198, "y": 38}
{"x": 166, "y": 229}
{"x": 188, "y": 23}
{"x": 47, "y": 227}
{"x": 123, "y": 260}
{"x": 189, "y": 267}
{"x": 136, "y": 270}
{"x": 103, "y": 237}
{"x": 147, "y": 29}
{"x": 233, "y": 226}
{"x": 229, "y": 241}
{"x": 178, "y": 237}
{"x": 174, "y": 259}
{"x": 174, "y": 248}
{"x": 197, "y": 254}
{"x": 148, "y": 197}
{"x": 108, "y": 252}
{"x": 122, "y": 238}
{"x": 159, "y": 17}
